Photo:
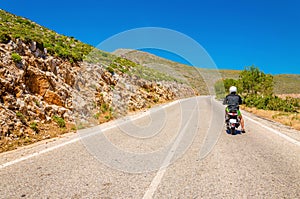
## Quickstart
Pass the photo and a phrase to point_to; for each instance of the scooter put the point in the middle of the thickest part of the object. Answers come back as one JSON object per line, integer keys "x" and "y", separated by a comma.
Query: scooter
{"x": 232, "y": 122}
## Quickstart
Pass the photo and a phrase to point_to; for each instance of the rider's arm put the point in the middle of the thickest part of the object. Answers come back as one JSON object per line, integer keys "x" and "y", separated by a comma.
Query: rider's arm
{"x": 225, "y": 101}
{"x": 240, "y": 100}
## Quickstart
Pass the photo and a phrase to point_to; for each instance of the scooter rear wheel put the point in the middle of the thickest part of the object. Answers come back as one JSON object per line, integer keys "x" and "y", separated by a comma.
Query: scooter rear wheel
{"x": 232, "y": 131}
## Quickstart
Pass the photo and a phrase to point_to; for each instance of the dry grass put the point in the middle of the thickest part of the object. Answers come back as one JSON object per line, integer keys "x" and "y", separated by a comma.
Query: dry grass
{"x": 286, "y": 84}
{"x": 284, "y": 96}
{"x": 289, "y": 119}
{"x": 46, "y": 131}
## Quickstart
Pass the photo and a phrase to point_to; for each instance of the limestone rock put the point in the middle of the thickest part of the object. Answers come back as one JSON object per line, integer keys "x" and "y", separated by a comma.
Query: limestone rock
{"x": 52, "y": 98}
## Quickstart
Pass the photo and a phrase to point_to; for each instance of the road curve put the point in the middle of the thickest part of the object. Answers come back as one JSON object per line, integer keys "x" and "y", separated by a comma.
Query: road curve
{"x": 179, "y": 150}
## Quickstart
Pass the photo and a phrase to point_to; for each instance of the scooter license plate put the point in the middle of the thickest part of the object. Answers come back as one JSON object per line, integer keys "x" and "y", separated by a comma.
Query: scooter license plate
{"x": 232, "y": 120}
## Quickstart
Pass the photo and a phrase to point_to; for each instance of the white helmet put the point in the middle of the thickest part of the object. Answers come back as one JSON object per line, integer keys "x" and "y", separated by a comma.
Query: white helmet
{"x": 232, "y": 89}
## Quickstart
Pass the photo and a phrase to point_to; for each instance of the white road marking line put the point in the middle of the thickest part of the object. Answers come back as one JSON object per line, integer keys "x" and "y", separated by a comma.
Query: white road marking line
{"x": 144, "y": 114}
{"x": 275, "y": 131}
{"x": 49, "y": 149}
{"x": 72, "y": 141}
{"x": 154, "y": 184}
{"x": 159, "y": 175}
{"x": 37, "y": 153}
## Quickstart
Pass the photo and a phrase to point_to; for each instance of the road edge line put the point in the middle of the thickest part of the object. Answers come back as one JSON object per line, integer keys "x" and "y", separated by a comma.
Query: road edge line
{"x": 12, "y": 162}
{"x": 291, "y": 140}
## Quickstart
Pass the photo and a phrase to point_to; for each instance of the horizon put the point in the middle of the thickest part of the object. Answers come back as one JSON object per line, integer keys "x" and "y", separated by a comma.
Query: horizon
{"x": 232, "y": 37}
{"x": 181, "y": 60}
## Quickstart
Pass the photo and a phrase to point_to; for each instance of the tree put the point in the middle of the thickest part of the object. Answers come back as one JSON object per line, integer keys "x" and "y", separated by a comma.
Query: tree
{"x": 231, "y": 82}
{"x": 256, "y": 88}
{"x": 255, "y": 82}
{"x": 222, "y": 87}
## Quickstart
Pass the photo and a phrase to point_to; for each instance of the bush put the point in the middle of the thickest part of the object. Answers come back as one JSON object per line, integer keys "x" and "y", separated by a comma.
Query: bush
{"x": 16, "y": 57}
{"x": 34, "y": 127}
{"x": 60, "y": 121}
{"x": 4, "y": 38}
{"x": 271, "y": 103}
{"x": 21, "y": 117}
{"x": 96, "y": 116}
{"x": 111, "y": 70}
{"x": 104, "y": 107}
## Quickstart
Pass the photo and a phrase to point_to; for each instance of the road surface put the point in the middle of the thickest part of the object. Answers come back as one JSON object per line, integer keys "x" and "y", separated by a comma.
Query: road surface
{"x": 179, "y": 150}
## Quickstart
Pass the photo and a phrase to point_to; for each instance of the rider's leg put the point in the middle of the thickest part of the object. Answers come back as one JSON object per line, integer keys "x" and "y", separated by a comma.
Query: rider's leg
{"x": 242, "y": 122}
{"x": 226, "y": 114}
{"x": 227, "y": 118}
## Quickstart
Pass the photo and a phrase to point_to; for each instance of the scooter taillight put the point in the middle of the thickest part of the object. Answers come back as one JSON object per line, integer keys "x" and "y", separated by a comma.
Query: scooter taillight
{"x": 233, "y": 114}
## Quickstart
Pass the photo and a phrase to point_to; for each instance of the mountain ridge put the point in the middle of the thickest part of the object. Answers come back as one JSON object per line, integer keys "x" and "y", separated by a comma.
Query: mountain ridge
{"x": 283, "y": 83}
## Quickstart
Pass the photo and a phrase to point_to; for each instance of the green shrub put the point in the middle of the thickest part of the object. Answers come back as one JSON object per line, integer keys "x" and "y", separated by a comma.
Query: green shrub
{"x": 80, "y": 126}
{"x": 74, "y": 128}
{"x": 4, "y": 38}
{"x": 60, "y": 121}
{"x": 34, "y": 127}
{"x": 19, "y": 114}
{"x": 271, "y": 103}
{"x": 96, "y": 116}
{"x": 121, "y": 64}
{"x": 104, "y": 108}
{"x": 110, "y": 69}
{"x": 37, "y": 103}
{"x": 16, "y": 57}
{"x": 21, "y": 117}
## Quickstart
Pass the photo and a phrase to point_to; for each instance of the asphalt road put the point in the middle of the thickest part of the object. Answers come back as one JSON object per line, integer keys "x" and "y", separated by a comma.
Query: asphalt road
{"x": 179, "y": 150}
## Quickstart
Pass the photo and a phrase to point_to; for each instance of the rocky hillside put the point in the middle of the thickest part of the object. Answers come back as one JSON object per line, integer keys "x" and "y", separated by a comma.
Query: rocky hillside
{"x": 47, "y": 89}
{"x": 40, "y": 92}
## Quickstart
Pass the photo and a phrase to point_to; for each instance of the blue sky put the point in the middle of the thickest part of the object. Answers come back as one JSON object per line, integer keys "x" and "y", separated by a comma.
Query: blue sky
{"x": 264, "y": 33}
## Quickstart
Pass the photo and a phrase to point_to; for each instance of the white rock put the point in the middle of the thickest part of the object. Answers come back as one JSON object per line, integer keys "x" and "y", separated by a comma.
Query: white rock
{"x": 33, "y": 46}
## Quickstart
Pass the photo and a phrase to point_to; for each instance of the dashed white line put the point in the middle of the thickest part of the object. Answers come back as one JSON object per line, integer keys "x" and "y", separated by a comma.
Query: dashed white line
{"x": 159, "y": 175}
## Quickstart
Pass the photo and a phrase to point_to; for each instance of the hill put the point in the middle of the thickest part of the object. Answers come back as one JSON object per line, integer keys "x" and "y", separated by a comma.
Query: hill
{"x": 287, "y": 84}
{"x": 199, "y": 79}
{"x": 202, "y": 79}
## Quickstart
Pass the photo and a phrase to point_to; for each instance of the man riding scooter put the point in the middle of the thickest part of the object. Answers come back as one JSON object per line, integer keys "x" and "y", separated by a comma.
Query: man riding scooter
{"x": 233, "y": 101}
